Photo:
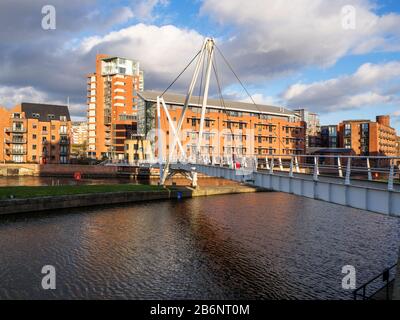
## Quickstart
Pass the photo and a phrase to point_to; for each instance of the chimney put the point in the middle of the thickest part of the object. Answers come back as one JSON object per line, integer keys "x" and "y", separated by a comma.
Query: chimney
{"x": 383, "y": 120}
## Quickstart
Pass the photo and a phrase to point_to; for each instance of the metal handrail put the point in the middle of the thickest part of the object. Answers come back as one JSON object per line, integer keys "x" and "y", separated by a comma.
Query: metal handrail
{"x": 343, "y": 164}
{"x": 385, "y": 278}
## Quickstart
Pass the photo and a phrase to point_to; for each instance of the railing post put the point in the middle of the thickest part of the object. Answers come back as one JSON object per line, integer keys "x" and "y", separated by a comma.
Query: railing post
{"x": 291, "y": 168}
{"x": 271, "y": 168}
{"x": 391, "y": 176}
{"x": 340, "y": 167}
{"x": 267, "y": 163}
{"x": 280, "y": 164}
{"x": 316, "y": 169}
{"x": 348, "y": 172}
{"x": 369, "y": 170}
{"x": 296, "y": 160}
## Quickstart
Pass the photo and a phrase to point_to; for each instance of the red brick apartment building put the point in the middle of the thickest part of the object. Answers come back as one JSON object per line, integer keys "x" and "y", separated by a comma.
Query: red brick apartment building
{"x": 237, "y": 128}
{"x": 368, "y": 138}
{"x": 112, "y": 105}
{"x": 35, "y": 133}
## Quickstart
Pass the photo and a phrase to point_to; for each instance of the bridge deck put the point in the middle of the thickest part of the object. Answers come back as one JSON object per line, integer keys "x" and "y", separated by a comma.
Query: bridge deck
{"x": 354, "y": 182}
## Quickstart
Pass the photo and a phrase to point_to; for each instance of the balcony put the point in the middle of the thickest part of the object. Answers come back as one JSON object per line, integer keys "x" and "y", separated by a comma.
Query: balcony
{"x": 16, "y": 151}
{"x": 18, "y": 141}
{"x": 15, "y": 129}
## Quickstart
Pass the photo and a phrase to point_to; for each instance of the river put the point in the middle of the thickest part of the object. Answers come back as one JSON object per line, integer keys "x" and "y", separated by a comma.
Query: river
{"x": 248, "y": 246}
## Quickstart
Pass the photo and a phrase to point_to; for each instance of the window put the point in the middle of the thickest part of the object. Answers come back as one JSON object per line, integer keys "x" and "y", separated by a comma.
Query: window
{"x": 36, "y": 115}
{"x": 33, "y": 158}
{"x": 347, "y": 129}
{"x": 34, "y": 147}
{"x": 34, "y": 126}
{"x": 53, "y": 138}
{"x": 44, "y": 128}
{"x": 18, "y": 158}
{"x": 63, "y": 129}
{"x": 53, "y": 127}
{"x": 51, "y": 116}
{"x": 63, "y": 118}
{"x": 34, "y": 136}
{"x": 44, "y": 139}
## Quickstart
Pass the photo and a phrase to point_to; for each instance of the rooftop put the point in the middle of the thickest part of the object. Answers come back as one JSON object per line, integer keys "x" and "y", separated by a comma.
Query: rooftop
{"x": 179, "y": 99}
{"x": 43, "y": 110}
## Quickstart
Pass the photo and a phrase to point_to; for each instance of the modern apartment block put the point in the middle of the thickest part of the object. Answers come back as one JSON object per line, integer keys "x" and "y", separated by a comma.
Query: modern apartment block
{"x": 235, "y": 129}
{"x": 112, "y": 105}
{"x": 137, "y": 148}
{"x": 366, "y": 137}
{"x": 35, "y": 133}
{"x": 313, "y": 132}
{"x": 79, "y": 132}
{"x": 329, "y": 136}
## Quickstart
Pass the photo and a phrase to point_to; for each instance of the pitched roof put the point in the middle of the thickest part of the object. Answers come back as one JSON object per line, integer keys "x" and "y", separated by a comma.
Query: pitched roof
{"x": 179, "y": 99}
{"x": 43, "y": 110}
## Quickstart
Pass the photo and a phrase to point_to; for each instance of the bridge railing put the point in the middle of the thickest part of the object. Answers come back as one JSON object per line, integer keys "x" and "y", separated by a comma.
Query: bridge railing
{"x": 373, "y": 289}
{"x": 370, "y": 168}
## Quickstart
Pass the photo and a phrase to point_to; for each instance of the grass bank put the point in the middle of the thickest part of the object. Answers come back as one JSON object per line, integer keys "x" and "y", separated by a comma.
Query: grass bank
{"x": 46, "y": 191}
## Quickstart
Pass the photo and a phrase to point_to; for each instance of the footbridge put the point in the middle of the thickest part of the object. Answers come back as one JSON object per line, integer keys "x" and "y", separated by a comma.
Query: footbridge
{"x": 367, "y": 183}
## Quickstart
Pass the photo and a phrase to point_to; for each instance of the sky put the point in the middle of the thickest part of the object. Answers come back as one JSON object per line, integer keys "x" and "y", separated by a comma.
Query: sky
{"x": 338, "y": 58}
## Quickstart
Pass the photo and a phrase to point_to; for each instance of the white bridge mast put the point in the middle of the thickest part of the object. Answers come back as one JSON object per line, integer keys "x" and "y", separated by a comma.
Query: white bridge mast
{"x": 206, "y": 52}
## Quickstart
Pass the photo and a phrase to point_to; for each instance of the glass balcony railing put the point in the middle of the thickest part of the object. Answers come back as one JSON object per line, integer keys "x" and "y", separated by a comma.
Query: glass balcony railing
{"x": 18, "y": 129}
{"x": 16, "y": 151}
{"x": 16, "y": 141}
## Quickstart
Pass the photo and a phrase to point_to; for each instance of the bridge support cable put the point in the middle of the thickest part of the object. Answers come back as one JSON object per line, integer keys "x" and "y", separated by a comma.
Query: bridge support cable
{"x": 242, "y": 85}
{"x": 180, "y": 74}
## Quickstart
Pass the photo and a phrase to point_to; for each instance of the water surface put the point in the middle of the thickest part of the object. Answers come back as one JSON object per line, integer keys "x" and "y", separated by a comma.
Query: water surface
{"x": 248, "y": 246}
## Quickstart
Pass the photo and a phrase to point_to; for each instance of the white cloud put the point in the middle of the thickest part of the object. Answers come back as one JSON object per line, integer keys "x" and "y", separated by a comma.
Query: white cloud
{"x": 11, "y": 96}
{"x": 274, "y": 36}
{"x": 366, "y": 87}
{"x": 144, "y": 9}
{"x": 162, "y": 51}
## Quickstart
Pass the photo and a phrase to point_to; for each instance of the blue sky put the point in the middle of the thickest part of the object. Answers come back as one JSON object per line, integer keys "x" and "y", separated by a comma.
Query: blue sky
{"x": 291, "y": 53}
